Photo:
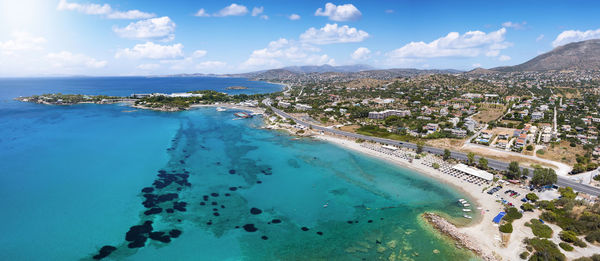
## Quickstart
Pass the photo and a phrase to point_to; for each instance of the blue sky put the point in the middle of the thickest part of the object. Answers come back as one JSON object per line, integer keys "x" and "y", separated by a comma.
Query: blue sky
{"x": 107, "y": 37}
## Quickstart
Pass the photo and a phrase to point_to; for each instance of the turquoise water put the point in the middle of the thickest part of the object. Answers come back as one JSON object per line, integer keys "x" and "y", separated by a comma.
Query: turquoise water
{"x": 71, "y": 180}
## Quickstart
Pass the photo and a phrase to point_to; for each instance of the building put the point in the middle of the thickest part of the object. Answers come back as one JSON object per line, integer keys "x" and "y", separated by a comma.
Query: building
{"x": 538, "y": 115}
{"x": 482, "y": 174}
{"x": 431, "y": 127}
{"x": 378, "y": 115}
{"x": 302, "y": 107}
{"x": 184, "y": 94}
{"x": 284, "y": 104}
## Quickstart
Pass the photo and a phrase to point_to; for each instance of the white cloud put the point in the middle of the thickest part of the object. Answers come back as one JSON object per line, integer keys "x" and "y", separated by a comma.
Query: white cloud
{"x": 504, "y": 58}
{"x": 515, "y": 25}
{"x": 67, "y": 59}
{"x": 539, "y": 38}
{"x": 332, "y": 33}
{"x": 233, "y": 10}
{"x": 389, "y": 11}
{"x": 22, "y": 41}
{"x": 294, "y": 17}
{"x": 210, "y": 65}
{"x": 199, "y": 53}
{"x": 362, "y": 53}
{"x": 257, "y": 10}
{"x": 283, "y": 51}
{"x": 105, "y": 10}
{"x": 570, "y": 36}
{"x": 152, "y": 51}
{"x": 470, "y": 44}
{"x": 148, "y": 66}
{"x": 476, "y": 65}
{"x": 264, "y": 17}
{"x": 340, "y": 13}
{"x": 155, "y": 28}
{"x": 202, "y": 13}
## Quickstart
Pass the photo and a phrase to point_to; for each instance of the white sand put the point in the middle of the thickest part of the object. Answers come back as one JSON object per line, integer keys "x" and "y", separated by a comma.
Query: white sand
{"x": 483, "y": 230}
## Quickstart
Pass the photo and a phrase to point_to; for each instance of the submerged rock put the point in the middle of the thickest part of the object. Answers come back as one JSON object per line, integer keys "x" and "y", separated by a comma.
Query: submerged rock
{"x": 304, "y": 228}
{"x": 147, "y": 189}
{"x": 232, "y": 171}
{"x": 276, "y": 221}
{"x": 264, "y": 237}
{"x": 152, "y": 211}
{"x": 255, "y": 211}
{"x": 175, "y": 233}
{"x": 104, "y": 252}
{"x": 250, "y": 228}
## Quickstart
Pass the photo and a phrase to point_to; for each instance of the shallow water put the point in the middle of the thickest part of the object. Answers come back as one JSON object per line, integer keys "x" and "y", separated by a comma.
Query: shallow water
{"x": 72, "y": 177}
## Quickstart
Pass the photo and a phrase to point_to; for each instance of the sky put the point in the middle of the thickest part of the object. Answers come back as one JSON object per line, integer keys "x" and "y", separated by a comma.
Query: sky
{"x": 143, "y": 37}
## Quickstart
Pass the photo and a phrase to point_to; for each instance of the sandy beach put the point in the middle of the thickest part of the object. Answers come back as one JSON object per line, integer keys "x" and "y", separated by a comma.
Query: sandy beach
{"x": 481, "y": 231}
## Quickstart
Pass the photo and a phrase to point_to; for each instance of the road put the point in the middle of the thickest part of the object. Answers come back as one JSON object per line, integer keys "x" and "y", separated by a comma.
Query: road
{"x": 495, "y": 164}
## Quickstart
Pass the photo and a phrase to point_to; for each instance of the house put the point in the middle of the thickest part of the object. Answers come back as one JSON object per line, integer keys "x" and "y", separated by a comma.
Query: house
{"x": 431, "y": 127}
{"x": 454, "y": 121}
{"x": 302, "y": 107}
{"x": 387, "y": 113}
{"x": 538, "y": 115}
{"x": 284, "y": 104}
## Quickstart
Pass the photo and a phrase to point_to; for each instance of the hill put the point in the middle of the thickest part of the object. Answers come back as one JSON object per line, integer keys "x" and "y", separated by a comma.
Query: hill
{"x": 584, "y": 55}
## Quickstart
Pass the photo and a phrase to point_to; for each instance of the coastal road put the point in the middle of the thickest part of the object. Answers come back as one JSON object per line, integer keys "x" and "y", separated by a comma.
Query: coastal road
{"x": 495, "y": 164}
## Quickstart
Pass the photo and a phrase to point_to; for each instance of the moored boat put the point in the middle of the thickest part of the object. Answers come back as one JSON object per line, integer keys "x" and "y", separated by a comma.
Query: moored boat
{"x": 242, "y": 115}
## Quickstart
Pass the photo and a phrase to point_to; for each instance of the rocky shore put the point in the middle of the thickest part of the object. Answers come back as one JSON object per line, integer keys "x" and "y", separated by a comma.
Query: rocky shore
{"x": 461, "y": 239}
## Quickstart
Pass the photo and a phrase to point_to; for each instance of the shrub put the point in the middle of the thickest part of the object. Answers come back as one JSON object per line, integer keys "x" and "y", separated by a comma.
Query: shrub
{"x": 568, "y": 236}
{"x": 595, "y": 257}
{"x": 512, "y": 213}
{"x": 524, "y": 255}
{"x": 436, "y": 166}
{"x": 532, "y": 197}
{"x": 593, "y": 237}
{"x": 506, "y": 228}
{"x": 580, "y": 243}
{"x": 527, "y": 207}
{"x": 565, "y": 246}
{"x": 539, "y": 229}
{"x": 544, "y": 250}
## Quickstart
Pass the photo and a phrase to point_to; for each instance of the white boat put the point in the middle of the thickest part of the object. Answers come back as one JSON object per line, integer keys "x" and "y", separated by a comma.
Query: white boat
{"x": 221, "y": 109}
{"x": 466, "y": 210}
{"x": 467, "y": 216}
{"x": 466, "y": 205}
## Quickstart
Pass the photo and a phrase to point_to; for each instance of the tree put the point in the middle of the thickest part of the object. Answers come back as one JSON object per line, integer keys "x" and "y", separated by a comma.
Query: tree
{"x": 543, "y": 177}
{"x": 447, "y": 154}
{"x": 524, "y": 173}
{"x": 483, "y": 163}
{"x": 527, "y": 207}
{"x": 470, "y": 158}
{"x": 513, "y": 170}
{"x": 568, "y": 236}
{"x": 567, "y": 192}
{"x": 506, "y": 228}
{"x": 532, "y": 197}
{"x": 420, "y": 147}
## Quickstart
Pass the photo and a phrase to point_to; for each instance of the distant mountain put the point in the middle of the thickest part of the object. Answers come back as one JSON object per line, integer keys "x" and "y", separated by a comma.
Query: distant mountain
{"x": 584, "y": 55}
{"x": 328, "y": 68}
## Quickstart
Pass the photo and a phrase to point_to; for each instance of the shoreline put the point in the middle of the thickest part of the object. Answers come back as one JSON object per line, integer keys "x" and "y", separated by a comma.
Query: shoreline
{"x": 479, "y": 232}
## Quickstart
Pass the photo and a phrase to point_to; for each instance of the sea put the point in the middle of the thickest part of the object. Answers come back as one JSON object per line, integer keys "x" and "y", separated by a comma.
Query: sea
{"x": 198, "y": 184}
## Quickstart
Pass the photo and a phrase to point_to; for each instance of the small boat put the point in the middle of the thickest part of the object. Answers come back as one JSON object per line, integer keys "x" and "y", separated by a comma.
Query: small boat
{"x": 326, "y": 205}
{"x": 221, "y": 109}
{"x": 242, "y": 115}
{"x": 466, "y": 210}
{"x": 467, "y": 216}
{"x": 466, "y": 205}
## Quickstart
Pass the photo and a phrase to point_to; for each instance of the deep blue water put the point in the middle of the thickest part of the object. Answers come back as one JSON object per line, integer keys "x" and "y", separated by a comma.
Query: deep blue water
{"x": 71, "y": 180}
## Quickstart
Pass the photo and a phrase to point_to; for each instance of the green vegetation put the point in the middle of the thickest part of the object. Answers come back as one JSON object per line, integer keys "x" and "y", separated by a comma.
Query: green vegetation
{"x": 532, "y": 197}
{"x": 527, "y": 207}
{"x": 436, "y": 166}
{"x": 59, "y": 98}
{"x": 544, "y": 250}
{"x": 514, "y": 171}
{"x": 567, "y": 193}
{"x": 420, "y": 147}
{"x": 512, "y": 214}
{"x": 448, "y": 154}
{"x": 470, "y": 158}
{"x": 483, "y": 163}
{"x": 524, "y": 255}
{"x": 568, "y": 236}
{"x": 543, "y": 177}
{"x": 539, "y": 229}
{"x": 595, "y": 257}
{"x": 540, "y": 152}
{"x": 376, "y": 131}
{"x": 506, "y": 228}
{"x": 565, "y": 246}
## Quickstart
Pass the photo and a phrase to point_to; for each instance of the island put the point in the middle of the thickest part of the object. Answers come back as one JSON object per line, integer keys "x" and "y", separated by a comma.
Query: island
{"x": 236, "y": 88}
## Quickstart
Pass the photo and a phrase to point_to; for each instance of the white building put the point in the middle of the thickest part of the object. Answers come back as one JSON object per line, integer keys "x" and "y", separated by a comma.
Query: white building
{"x": 387, "y": 113}
{"x": 302, "y": 107}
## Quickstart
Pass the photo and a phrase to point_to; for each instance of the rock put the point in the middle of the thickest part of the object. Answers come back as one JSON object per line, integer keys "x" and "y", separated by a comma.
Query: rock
{"x": 319, "y": 233}
{"x": 250, "y": 228}
{"x": 214, "y": 194}
{"x": 104, "y": 252}
{"x": 264, "y": 237}
{"x": 152, "y": 211}
{"x": 147, "y": 190}
{"x": 380, "y": 249}
{"x": 175, "y": 233}
{"x": 232, "y": 171}
{"x": 304, "y": 228}
{"x": 233, "y": 188}
{"x": 276, "y": 221}
{"x": 255, "y": 211}
{"x": 435, "y": 251}
{"x": 391, "y": 244}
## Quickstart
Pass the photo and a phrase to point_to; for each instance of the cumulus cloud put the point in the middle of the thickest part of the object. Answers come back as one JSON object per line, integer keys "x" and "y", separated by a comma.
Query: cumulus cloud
{"x": 232, "y": 10}
{"x": 332, "y": 33}
{"x": 152, "y": 51}
{"x": 284, "y": 51}
{"x": 199, "y": 53}
{"x": 504, "y": 58}
{"x": 257, "y": 10}
{"x": 339, "y": 13}
{"x": 102, "y": 9}
{"x": 155, "y": 28}
{"x": 210, "y": 65}
{"x": 389, "y": 11}
{"x": 148, "y": 66}
{"x": 362, "y": 53}
{"x": 570, "y": 36}
{"x": 294, "y": 17}
{"x": 470, "y": 44}
{"x": 22, "y": 41}
{"x": 202, "y": 13}
{"x": 539, "y": 38}
{"x": 68, "y": 59}
{"x": 515, "y": 25}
